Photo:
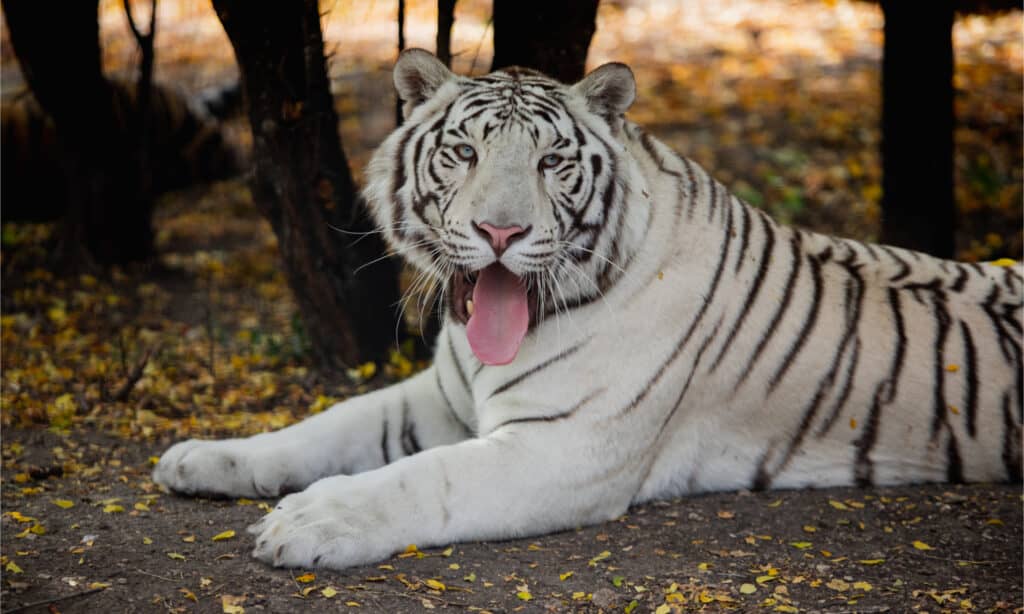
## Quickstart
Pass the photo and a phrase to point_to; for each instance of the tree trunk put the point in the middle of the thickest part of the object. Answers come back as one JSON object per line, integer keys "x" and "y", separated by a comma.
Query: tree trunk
{"x": 445, "y": 21}
{"x": 549, "y": 36}
{"x": 107, "y": 220}
{"x": 917, "y": 127}
{"x": 302, "y": 182}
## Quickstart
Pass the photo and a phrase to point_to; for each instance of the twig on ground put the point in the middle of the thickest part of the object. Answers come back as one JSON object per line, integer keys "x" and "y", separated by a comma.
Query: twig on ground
{"x": 133, "y": 377}
{"x": 34, "y": 604}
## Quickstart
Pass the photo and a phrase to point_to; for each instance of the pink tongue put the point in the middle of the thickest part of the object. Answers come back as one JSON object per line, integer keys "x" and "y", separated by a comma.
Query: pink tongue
{"x": 500, "y": 317}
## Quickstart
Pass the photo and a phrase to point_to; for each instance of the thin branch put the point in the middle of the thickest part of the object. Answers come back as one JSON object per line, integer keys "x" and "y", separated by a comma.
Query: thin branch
{"x": 133, "y": 377}
{"x": 33, "y": 604}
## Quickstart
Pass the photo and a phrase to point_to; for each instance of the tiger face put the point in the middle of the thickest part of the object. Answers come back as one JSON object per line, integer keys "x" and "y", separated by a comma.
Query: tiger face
{"x": 506, "y": 189}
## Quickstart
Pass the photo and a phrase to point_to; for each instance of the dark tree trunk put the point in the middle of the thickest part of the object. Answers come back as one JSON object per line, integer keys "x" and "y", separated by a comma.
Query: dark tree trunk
{"x": 917, "y": 127}
{"x": 445, "y": 21}
{"x": 302, "y": 182}
{"x": 107, "y": 220}
{"x": 401, "y": 48}
{"x": 546, "y": 35}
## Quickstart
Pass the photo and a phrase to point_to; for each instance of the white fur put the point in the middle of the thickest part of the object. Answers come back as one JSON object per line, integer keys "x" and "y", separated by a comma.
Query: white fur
{"x": 529, "y": 476}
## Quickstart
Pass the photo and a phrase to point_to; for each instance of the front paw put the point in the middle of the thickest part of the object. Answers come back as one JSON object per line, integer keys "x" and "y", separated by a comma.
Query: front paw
{"x": 232, "y": 468}
{"x": 331, "y": 524}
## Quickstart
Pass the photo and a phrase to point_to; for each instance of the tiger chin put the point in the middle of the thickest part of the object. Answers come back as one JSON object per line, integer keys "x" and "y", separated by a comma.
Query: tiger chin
{"x": 619, "y": 329}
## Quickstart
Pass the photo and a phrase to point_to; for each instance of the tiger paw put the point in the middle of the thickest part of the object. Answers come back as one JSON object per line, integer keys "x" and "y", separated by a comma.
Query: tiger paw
{"x": 330, "y": 524}
{"x": 230, "y": 468}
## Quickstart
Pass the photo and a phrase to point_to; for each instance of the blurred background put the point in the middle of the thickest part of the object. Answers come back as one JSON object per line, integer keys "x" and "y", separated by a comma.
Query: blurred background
{"x": 205, "y": 325}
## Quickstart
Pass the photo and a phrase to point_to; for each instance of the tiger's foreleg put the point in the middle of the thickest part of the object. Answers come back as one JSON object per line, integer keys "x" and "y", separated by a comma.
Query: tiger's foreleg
{"x": 518, "y": 481}
{"x": 359, "y": 434}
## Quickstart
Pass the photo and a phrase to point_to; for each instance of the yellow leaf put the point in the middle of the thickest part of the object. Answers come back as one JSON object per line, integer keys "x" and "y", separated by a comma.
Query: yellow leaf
{"x": 355, "y": 604}
{"x": 306, "y": 578}
{"x": 329, "y": 592}
{"x": 142, "y": 507}
{"x": 38, "y": 529}
{"x": 436, "y": 585}
{"x": 98, "y": 585}
{"x": 871, "y": 561}
{"x": 839, "y": 505}
{"x": 63, "y": 503}
{"x": 112, "y": 508}
{"x": 154, "y": 460}
{"x": 663, "y": 609}
{"x": 565, "y": 576}
{"x": 747, "y": 588}
{"x": 994, "y": 522}
{"x": 188, "y": 594}
{"x": 524, "y": 595}
{"x": 786, "y": 608}
{"x": 703, "y": 566}
{"x": 454, "y": 566}
{"x": 244, "y": 501}
{"x": 21, "y": 478}
{"x": 801, "y": 545}
{"x": 838, "y": 585}
{"x": 862, "y": 586}
{"x": 810, "y": 528}
{"x": 447, "y": 551}
{"x": 775, "y": 503}
{"x": 147, "y": 541}
{"x": 12, "y": 567}
{"x": 232, "y": 604}
{"x": 920, "y": 545}
{"x": 1003, "y": 262}
{"x": 600, "y": 557}
{"x": 579, "y": 596}
{"x": 21, "y": 517}
{"x": 176, "y": 556}
{"x": 224, "y": 535}
{"x": 189, "y": 539}
{"x": 726, "y": 514}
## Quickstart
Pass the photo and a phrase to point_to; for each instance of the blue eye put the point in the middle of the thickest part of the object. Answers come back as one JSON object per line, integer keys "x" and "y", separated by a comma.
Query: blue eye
{"x": 550, "y": 161}
{"x": 465, "y": 152}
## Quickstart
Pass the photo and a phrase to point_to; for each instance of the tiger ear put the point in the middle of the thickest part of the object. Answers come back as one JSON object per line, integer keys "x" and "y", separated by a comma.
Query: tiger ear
{"x": 418, "y": 75}
{"x": 609, "y": 91}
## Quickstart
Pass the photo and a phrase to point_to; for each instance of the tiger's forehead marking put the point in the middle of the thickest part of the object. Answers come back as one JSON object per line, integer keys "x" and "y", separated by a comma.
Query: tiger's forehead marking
{"x": 514, "y": 100}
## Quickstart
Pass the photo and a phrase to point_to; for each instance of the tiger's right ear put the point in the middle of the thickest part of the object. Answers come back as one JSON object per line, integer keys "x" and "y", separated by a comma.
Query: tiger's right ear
{"x": 418, "y": 75}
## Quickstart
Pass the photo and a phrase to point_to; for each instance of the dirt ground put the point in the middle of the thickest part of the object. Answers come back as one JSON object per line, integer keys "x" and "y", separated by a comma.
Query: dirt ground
{"x": 114, "y": 543}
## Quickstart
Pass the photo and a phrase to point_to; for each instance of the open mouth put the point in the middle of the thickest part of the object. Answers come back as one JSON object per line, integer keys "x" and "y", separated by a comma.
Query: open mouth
{"x": 497, "y": 309}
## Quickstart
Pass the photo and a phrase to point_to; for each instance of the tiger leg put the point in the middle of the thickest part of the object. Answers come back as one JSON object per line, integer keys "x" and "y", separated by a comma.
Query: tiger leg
{"x": 356, "y": 435}
{"x": 512, "y": 483}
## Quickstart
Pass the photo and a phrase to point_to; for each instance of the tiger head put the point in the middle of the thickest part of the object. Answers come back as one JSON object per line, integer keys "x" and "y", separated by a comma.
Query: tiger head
{"x": 509, "y": 189}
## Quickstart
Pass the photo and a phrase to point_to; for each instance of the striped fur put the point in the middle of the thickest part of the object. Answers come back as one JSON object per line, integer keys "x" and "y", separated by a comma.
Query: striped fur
{"x": 688, "y": 343}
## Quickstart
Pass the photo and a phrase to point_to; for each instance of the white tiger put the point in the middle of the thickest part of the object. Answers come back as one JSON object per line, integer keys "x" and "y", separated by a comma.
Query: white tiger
{"x": 620, "y": 329}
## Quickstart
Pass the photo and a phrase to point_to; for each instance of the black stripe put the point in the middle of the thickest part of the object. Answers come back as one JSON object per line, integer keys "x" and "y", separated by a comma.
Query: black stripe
{"x": 1009, "y": 346}
{"x": 954, "y": 465}
{"x": 1011, "y": 442}
{"x": 904, "y": 267}
{"x": 801, "y": 338}
{"x": 787, "y": 296}
{"x": 844, "y": 393}
{"x": 744, "y": 238}
{"x": 942, "y": 324}
{"x": 524, "y": 375}
{"x": 971, "y": 375}
{"x": 410, "y": 443}
{"x": 748, "y": 302}
{"x": 554, "y": 417}
{"x": 384, "y": 443}
{"x": 448, "y": 403}
{"x": 885, "y": 392}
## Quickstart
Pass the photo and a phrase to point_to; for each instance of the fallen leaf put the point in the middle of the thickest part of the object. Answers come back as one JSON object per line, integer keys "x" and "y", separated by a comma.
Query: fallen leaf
{"x": 64, "y": 503}
{"x": 329, "y": 592}
{"x": 435, "y": 584}
{"x": 600, "y": 557}
{"x": 748, "y": 588}
{"x": 920, "y": 545}
{"x": 306, "y": 578}
{"x": 12, "y": 567}
{"x": 223, "y": 535}
{"x": 232, "y": 604}
{"x": 188, "y": 594}
{"x": 564, "y": 576}
{"x": 524, "y": 595}
{"x": 112, "y": 508}
{"x": 176, "y": 556}
{"x": 839, "y": 505}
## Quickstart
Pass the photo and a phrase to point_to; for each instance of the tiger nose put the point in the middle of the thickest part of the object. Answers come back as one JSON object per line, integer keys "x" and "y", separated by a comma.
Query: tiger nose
{"x": 500, "y": 238}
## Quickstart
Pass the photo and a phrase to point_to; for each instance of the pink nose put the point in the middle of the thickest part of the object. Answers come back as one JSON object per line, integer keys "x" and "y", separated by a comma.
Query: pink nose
{"x": 500, "y": 238}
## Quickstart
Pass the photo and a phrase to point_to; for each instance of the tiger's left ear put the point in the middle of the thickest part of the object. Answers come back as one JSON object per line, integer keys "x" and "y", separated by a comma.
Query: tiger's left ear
{"x": 418, "y": 75}
{"x": 609, "y": 91}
